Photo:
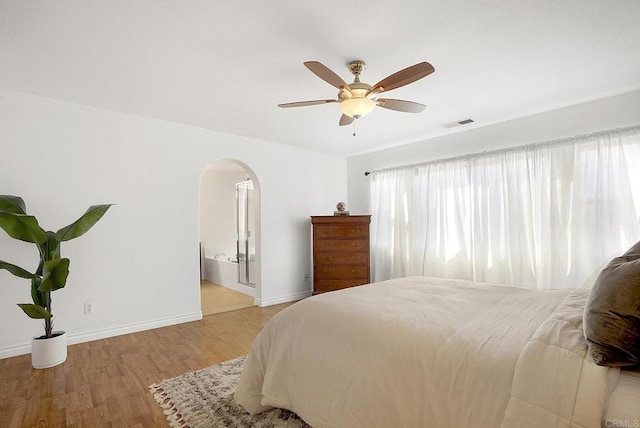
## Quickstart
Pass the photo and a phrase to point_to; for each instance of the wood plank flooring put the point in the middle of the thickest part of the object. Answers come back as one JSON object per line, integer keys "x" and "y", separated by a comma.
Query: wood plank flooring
{"x": 216, "y": 299}
{"x": 104, "y": 383}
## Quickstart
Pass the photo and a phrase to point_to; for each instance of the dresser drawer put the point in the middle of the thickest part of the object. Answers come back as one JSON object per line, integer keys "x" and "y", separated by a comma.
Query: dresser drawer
{"x": 341, "y": 231}
{"x": 351, "y": 259}
{"x": 354, "y": 245}
{"x": 321, "y": 272}
{"x": 324, "y": 285}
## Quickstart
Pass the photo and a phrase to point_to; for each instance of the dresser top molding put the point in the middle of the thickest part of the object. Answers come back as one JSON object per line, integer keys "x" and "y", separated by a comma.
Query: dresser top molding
{"x": 341, "y": 219}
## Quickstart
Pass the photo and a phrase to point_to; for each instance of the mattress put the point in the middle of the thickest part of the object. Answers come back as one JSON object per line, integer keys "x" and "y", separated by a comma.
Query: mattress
{"x": 623, "y": 409}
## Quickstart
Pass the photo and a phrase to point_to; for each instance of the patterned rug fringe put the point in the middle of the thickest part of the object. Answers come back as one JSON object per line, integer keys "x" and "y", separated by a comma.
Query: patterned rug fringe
{"x": 204, "y": 399}
{"x": 170, "y": 410}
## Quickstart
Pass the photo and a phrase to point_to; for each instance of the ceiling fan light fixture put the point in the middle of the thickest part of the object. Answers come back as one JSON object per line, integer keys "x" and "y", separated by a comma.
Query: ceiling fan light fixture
{"x": 357, "y": 107}
{"x": 357, "y": 99}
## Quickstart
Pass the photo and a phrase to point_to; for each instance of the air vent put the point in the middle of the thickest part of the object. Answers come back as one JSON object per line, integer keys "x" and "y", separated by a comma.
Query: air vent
{"x": 458, "y": 123}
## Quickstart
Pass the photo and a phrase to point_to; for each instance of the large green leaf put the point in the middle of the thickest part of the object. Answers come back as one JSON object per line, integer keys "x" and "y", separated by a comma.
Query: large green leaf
{"x": 54, "y": 275}
{"x": 50, "y": 249}
{"x": 23, "y": 227}
{"x": 36, "y": 296}
{"x": 12, "y": 204}
{"x": 35, "y": 311}
{"x": 83, "y": 224}
{"x": 17, "y": 270}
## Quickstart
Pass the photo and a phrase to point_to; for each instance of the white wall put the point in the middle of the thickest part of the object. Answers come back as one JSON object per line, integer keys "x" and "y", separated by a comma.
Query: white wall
{"x": 218, "y": 210}
{"x": 139, "y": 265}
{"x": 608, "y": 113}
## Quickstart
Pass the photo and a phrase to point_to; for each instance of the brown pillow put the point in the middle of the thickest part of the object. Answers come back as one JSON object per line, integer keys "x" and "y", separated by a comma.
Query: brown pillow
{"x": 612, "y": 313}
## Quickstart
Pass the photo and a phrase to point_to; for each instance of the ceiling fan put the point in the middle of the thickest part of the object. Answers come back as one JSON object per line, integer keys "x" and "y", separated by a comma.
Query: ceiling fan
{"x": 357, "y": 99}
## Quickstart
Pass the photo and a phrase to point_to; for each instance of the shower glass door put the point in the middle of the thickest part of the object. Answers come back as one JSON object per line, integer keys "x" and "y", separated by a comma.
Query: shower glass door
{"x": 246, "y": 246}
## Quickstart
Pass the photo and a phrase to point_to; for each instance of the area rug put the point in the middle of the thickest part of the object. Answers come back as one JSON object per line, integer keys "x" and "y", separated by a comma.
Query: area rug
{"x": 204, "y": 398}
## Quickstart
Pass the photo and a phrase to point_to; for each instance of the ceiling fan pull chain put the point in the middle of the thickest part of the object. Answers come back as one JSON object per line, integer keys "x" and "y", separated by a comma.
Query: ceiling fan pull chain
{"x": 354, "y": 128}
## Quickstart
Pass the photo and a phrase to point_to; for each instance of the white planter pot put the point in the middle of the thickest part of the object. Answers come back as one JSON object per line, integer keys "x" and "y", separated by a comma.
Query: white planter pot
{"x": 49, "y": 352}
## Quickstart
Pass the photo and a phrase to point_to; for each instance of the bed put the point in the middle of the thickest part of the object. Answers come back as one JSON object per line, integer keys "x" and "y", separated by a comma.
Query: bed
{"x": 435, "y": 352}
{"x": 623, "y": 406}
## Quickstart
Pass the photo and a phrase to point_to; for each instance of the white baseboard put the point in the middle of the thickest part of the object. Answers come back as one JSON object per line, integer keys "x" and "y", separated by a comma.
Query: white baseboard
{"x": 25, "y": 348}
{"x": 15, "y": 350}
{"x": 133, "y": 328}
{"x": 283, "y": 299}
{"x": 241, "y": 288}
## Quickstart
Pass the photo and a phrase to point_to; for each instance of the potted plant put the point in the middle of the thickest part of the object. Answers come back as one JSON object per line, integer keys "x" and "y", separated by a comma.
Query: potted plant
{"x": 51, "y": 274}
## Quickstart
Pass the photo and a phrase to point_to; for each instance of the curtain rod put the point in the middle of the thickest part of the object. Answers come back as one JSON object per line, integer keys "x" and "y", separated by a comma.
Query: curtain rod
{"x": 511, "y": 149}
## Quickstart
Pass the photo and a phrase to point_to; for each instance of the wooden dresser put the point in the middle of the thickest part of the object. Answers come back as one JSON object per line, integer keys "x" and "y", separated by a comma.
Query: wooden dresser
{"x": 340, "y": 252}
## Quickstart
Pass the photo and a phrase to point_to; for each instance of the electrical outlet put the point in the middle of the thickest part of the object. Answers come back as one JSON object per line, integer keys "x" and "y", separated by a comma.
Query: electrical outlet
{"x": 88, "y": 308}
{"x": 305, "y": 277}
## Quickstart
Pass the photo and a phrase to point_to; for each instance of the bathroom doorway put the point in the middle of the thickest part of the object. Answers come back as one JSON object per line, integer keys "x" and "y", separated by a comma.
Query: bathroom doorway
{"x": 229, "y": 204}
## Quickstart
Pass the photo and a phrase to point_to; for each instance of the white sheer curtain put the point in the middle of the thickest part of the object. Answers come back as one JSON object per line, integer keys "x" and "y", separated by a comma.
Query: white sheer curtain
{"x": 542, "y": 216}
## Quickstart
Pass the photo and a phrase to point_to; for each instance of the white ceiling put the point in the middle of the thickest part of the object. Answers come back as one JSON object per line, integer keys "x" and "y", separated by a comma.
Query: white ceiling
{"x": 225, "y": 65}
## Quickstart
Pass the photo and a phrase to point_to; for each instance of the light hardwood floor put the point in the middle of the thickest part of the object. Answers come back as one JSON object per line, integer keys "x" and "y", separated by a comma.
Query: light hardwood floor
{"x": 104, "y": 383}
{"x": 216, "y": 299}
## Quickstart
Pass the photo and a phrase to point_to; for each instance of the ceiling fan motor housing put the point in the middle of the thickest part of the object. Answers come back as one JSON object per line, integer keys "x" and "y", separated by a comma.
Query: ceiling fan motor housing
{"x": 356, "y": 99}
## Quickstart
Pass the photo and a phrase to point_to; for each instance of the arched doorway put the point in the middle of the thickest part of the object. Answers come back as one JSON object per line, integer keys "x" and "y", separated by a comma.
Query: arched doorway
{"x": 229, "y": 228}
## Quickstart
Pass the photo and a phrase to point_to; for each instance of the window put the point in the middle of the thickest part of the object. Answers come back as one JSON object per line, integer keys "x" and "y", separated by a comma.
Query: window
{"x": 549, "y": 215}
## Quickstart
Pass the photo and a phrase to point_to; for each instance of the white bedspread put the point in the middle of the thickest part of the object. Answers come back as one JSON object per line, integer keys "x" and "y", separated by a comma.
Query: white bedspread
{"x": 428, "y": 352}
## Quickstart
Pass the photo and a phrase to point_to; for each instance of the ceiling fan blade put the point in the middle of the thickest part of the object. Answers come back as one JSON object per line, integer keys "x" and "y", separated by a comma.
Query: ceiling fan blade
{"x": 403, "y": 77}
{"x": 326, "y": 74}
{"x": 400, "y": 105}
{"x": 345, "y": 120}
{"x": 306, "y": 103}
